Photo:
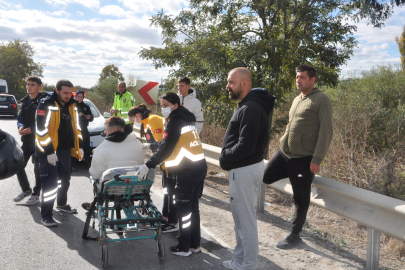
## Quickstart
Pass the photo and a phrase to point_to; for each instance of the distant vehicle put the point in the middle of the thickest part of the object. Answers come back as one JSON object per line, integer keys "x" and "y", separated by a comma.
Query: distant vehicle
{"x": 8, "y": 105}
{"x": 3, "y": 86}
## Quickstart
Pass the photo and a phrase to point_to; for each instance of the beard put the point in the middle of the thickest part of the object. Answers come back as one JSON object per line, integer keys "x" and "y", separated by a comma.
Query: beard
{"x": 235, "y": 94}
{"x": 63, "y": 100}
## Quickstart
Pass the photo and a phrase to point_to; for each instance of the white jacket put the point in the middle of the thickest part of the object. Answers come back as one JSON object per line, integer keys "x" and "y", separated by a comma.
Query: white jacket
{"x": 116, "y": 154}
{"x": 191, "y": 103}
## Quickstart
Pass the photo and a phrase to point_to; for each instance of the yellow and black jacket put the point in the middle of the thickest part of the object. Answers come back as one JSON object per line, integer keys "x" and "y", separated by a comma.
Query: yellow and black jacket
{"x": 47, "y": 125}
{"x": 181, "y": 147}
{"x": 153, "y": 126}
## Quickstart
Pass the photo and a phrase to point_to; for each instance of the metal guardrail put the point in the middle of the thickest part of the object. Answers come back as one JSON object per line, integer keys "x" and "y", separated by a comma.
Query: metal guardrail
{"x": 378, "y": 212}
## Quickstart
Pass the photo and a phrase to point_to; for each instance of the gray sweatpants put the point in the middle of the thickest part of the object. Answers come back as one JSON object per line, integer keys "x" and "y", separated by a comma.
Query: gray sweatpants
{"x": 244, "y": 185}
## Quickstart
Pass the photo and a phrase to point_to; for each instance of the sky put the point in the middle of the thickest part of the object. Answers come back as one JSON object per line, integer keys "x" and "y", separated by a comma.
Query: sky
{"x": 77, "y": 38}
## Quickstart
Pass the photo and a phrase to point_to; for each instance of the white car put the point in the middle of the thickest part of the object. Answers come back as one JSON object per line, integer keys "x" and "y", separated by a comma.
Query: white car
{"x": 96, "y": 127}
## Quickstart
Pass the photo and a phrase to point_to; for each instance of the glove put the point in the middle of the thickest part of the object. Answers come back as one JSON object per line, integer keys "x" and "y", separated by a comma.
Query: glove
{"x": 142, "y": 172}
{"x": 52, "y": 159}
{"x": 146, "y": 146}
{"x": 81, "y": 153}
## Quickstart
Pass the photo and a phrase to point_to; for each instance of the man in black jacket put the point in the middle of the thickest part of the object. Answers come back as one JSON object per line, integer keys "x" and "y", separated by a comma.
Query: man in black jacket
{"x": 242, "y": 155}
{"x": 26, "y": 128}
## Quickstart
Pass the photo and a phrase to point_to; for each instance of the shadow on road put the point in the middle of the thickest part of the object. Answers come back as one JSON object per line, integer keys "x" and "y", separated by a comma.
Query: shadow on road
{"x": 286, "y": 226}
{"x": 139, "y": 254}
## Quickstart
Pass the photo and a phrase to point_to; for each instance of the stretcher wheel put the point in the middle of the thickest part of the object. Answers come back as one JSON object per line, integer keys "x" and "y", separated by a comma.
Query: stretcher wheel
{"x": 104, "y": 254}
{"x": 161, "y": 249}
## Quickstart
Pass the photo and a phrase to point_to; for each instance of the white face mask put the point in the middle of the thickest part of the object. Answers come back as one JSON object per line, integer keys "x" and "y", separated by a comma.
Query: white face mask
{"x": 166, "y": 111}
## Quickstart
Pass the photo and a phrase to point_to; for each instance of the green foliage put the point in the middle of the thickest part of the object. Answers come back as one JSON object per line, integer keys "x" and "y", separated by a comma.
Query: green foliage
{"x": 371, "y": 106}
{"x": 48, "y": 87}
{"x": 111, "y": 71}
{"x": 104, "y": 90}
{"x": 17, "y": 63}
{"x": 269, "y": 38}
{"x": 401, "y": 46}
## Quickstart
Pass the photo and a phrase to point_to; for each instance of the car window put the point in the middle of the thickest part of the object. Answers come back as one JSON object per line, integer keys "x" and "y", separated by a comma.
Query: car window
{"x": 93, "y": 109}
{"x": 7, "y": 99}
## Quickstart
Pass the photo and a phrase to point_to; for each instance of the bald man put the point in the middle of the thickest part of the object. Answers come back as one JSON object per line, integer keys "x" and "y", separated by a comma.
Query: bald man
{"x": 242, "y": 155}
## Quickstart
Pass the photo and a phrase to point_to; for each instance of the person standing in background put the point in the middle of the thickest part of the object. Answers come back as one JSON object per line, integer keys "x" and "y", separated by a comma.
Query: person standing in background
{"x": 302, "y": 148}
{"x": 26, "y": 128}
{"x": 188, "y": 99}
{"x": 85, "y": 116}
{"x": 123, "y": 101}
{"x": 245, "y": 139}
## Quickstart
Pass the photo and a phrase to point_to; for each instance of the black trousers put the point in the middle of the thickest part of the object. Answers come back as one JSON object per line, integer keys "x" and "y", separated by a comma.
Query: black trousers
{"x": 86, "y": 144}
{"x": 298, "y": 170}
{"x": 169, "y": 209}
{"x": 22, "y": 175}
{"x": 189, "y": 188}
{"x": 51, "y": 186}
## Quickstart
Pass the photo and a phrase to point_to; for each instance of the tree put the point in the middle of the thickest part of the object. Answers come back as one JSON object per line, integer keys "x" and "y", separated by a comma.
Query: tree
{"x": 401, "y": 46}
{"x": 17, "y": 63}
{"x": 48, "y": 87}
{"x": 270, "y": 38}
{"x": 104, "y": 90}
{"x": 111, "y": 71}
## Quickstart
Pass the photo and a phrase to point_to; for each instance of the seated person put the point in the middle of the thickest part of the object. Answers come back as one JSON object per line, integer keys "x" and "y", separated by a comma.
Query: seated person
{"x": 117, "y": 150}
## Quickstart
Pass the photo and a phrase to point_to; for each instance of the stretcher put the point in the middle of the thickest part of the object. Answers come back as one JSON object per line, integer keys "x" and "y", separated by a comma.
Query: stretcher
{"x": 119, "y": 191}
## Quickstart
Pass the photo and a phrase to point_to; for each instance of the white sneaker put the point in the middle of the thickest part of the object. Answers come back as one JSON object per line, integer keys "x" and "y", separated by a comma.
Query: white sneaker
{"x": 22, "y": 195}
{"x": 32, "y": 200}
{"x": 232, "y": 265}
{"x": 195, "y": 250}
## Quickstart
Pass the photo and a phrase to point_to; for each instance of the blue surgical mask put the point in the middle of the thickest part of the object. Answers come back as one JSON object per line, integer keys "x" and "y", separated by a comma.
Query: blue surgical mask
{"x": 166, "y": 111}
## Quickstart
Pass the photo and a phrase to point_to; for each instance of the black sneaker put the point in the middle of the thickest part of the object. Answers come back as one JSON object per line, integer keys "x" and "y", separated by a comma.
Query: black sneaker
{"x": 290, "y": 241}
{"x": 66, "y": 209}
{"x": 177, "y": 251}
{"x": 49, "y": 222}
{"x": 169, "y": 228}
{"x": 86, "y": 206}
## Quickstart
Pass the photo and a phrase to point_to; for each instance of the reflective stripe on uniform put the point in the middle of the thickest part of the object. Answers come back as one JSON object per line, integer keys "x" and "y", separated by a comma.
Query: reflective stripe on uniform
{"x": 46, "y": 142}
{"x": 188, "y": 217}
{"x": 39, "y": 146}
{"x": 77, "y": 121}
{"x": 187, "y": 129}
{"x": 184, "y": 153}
{"x": 48, "y": 118}
{"x": 50, "y": 195}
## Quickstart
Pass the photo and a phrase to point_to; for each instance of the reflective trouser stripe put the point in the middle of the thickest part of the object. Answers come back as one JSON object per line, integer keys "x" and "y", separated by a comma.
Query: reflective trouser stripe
{"x": 186, "y": 218}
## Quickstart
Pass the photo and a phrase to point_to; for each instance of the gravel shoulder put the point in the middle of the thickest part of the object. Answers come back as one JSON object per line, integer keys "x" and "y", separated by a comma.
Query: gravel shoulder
{"x": 330, "y": 241}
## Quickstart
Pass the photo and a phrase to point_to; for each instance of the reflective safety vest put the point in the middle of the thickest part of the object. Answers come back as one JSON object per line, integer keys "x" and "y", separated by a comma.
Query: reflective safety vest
{"x": 47, "y": 125}
{"x": 187, "y": 151}
{"x": 123, "y": 103}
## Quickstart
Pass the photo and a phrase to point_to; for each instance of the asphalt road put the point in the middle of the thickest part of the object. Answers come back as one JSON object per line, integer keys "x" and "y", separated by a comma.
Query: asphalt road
{"x": 26, "y": 244}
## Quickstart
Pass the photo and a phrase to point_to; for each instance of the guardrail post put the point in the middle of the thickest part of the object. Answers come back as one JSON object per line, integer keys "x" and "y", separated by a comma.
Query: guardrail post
{"x": 373, "y": 249}
{"x": 260, "y": 198}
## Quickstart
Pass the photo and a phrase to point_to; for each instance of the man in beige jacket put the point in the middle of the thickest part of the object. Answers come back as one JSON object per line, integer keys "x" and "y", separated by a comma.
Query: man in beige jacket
{"x": 302, "y": 148}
